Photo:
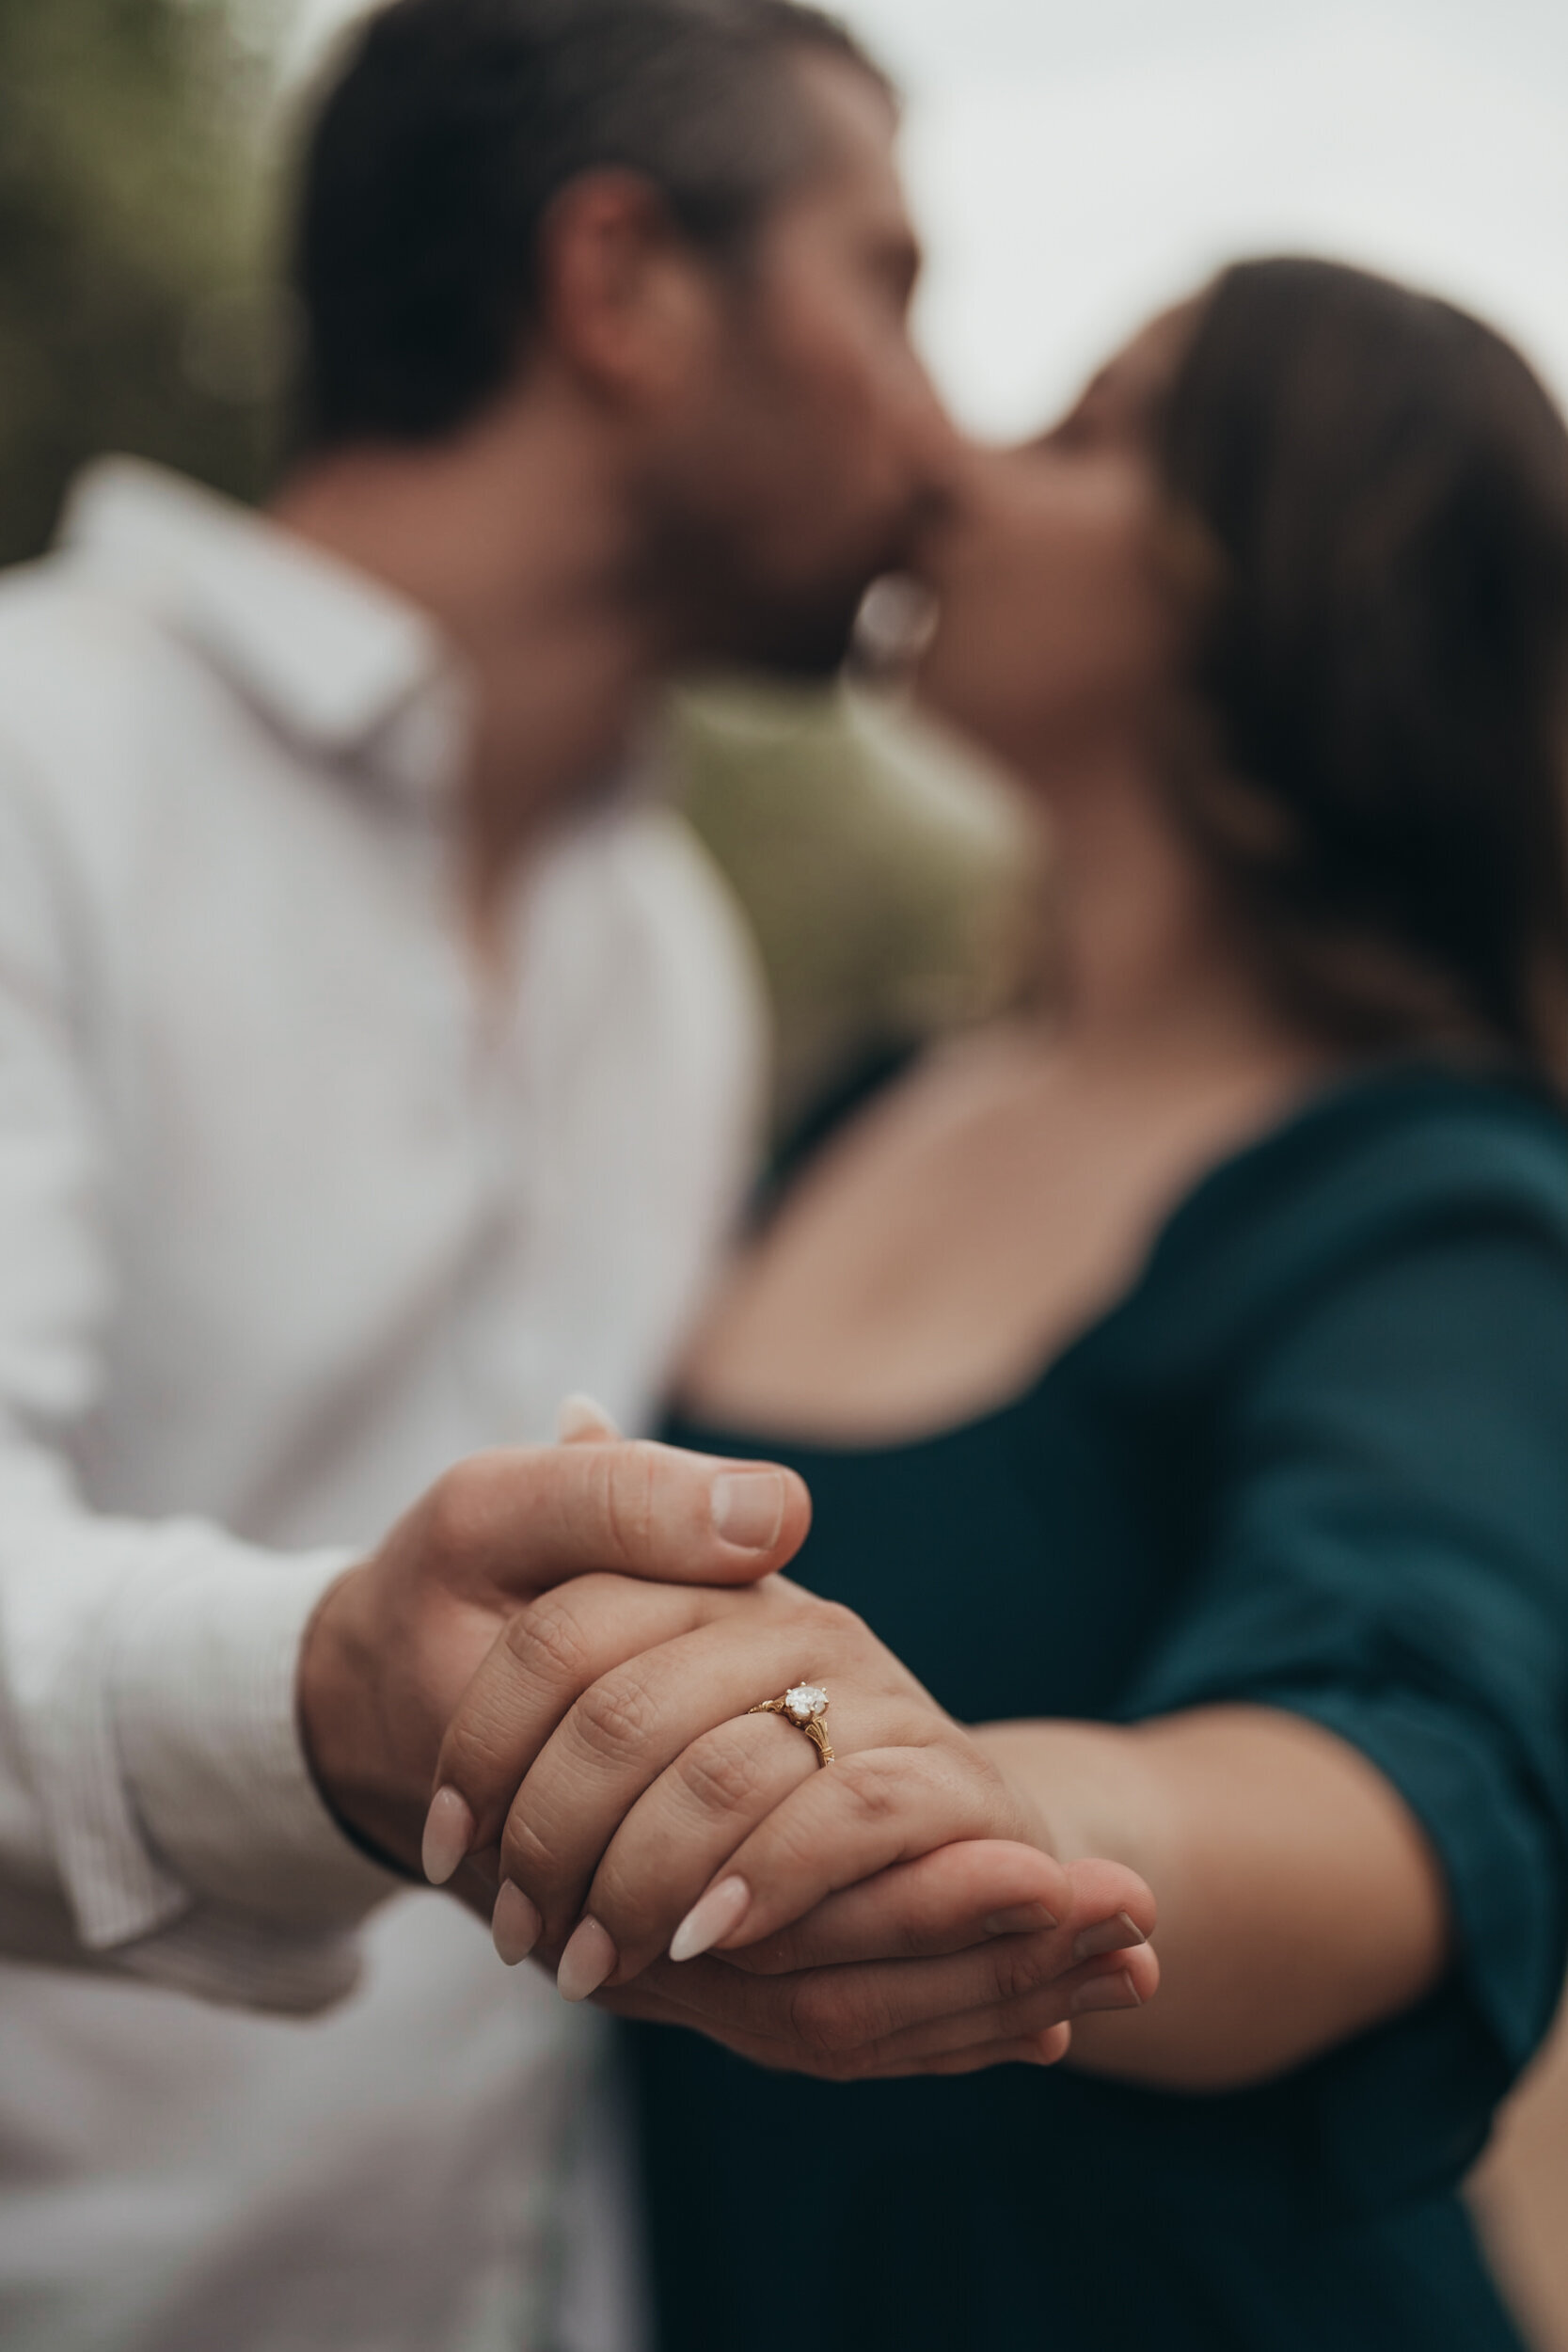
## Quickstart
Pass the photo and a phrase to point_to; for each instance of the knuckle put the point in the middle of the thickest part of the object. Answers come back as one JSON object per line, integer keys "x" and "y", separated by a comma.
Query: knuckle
{"x": 821, "y": 2023}
{"x": 549, "y": 1638}
{"x": 614, "y": 1714}
{"x": 1020, "y": 1964}
{"x": 870, "y": 1788}
{"x": 478, "y": 1743}
{"x": 526, "y": 1857}
{"x": 720, "y": 1774}
{"x": 831, "y": 1621}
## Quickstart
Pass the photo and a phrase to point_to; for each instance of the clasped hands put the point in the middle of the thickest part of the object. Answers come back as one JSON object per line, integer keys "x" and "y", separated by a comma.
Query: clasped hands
{"x": 522, "y": 1647}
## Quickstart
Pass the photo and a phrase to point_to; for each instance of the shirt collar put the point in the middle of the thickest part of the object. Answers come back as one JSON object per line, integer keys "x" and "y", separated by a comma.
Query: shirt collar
{"x": 331, "y": 657}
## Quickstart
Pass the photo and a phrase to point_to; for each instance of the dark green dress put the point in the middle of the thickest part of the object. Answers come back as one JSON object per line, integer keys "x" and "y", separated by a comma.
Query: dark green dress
{"x": 1318, "y": 1457}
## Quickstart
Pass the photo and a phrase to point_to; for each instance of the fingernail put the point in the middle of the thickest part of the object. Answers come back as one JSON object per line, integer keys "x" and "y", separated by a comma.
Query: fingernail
{"x": 589, "y": 1957}
{"x": 515, "y": 1926}
{"x": 718, "y": 1913}
{"x": 1024, "y": 1919}
{"x": 449, "y": 1836}
{"x": 1118, "y": 1992}
{"x": 1108, "y": 1935}
{"x": 581, "y": 1417}
{"x": 749, "y": 1508}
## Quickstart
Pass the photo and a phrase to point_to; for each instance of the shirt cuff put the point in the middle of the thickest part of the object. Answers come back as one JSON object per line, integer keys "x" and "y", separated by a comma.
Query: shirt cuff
{"x": 203, "y": 1674}
{"x": 240, "y": 1963}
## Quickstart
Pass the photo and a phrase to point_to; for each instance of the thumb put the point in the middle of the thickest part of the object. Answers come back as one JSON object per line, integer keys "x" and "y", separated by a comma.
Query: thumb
{"x": 524, "y": 1517}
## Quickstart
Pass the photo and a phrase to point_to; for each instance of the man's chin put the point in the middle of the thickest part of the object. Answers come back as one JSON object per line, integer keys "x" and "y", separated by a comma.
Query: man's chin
{"x": 811, "y": 647}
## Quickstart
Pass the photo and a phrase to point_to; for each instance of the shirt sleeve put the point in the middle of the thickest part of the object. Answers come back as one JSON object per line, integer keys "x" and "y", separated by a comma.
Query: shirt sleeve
{"x": 1389, "y": 1557}
{"x": 156, "y": 1813}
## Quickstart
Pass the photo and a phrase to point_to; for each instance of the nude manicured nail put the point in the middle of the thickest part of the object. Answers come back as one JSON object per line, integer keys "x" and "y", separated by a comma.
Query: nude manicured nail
{"x": 1118, "y": 1992}
{"x": 449, "y": 1836}
{"x": 749, "y": 1508}
{"x": 515, "y": 1926}
{"x": 1108, "y": 1935}
{"x": 589, "y": 1957}
{"x": 718, "y": 1913}
{"x": 584, "y": 1418}
{"x": 1024, "y": 1919}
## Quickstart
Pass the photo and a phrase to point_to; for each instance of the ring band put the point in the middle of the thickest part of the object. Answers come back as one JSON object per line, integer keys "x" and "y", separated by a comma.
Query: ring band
{"x": 804, "y": 1703}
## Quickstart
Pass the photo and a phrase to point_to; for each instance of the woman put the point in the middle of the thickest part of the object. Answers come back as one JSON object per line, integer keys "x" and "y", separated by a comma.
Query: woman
{"x": 1181, "y": 1386}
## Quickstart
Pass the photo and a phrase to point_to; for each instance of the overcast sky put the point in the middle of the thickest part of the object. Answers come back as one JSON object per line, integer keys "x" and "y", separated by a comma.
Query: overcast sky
{"x": 1073, "y": 164}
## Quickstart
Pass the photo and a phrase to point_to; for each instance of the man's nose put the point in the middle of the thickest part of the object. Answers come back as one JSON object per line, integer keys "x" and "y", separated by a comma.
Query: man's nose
{"x": 935, "y": 444}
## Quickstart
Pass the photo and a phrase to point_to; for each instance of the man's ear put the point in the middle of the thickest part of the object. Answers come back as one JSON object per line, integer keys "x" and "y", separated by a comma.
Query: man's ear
{"x": 624, "y": 300}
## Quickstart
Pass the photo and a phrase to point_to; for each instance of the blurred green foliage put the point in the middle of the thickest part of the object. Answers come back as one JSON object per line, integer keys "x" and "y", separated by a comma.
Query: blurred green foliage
{"x": 134, "y": 307}
{"x": 138, "y": 202}
{"x": 889, "y": 883}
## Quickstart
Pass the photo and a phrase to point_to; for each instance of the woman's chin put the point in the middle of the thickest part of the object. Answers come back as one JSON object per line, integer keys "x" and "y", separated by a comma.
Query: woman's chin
{"x": 949, "y": 702}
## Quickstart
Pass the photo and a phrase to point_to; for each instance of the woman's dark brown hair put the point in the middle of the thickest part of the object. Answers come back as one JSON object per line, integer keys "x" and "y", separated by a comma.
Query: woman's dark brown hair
{"x": 1381, "y": 666}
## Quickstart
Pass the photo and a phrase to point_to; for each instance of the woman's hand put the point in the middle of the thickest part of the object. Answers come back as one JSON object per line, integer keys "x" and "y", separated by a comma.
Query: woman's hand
{"x": 605, "y": 1757}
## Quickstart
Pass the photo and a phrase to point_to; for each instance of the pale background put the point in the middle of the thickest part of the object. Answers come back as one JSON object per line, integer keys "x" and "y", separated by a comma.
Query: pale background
{"x": 1075, "y": 166}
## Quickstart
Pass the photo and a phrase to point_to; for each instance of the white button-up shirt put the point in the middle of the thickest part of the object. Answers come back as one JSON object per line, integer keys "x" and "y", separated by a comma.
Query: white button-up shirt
{"x": 292, "y": 1214}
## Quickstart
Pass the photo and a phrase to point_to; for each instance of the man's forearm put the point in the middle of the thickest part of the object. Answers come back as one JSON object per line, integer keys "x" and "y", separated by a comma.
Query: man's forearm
{"x": 1299, "y": 1900}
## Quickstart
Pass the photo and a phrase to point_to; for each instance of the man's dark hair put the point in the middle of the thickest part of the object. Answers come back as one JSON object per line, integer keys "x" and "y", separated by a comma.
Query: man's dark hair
{"x": 453, "y": 127}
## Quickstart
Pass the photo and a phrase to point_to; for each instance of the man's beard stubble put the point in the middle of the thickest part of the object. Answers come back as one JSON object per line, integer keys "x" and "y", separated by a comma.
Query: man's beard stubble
{"x": 725, "y": 609}
{"x": 726, "y": 613}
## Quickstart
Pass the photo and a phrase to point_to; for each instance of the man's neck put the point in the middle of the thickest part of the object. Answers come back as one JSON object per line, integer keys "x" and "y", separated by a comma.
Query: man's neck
{"x": 517, "y": 537}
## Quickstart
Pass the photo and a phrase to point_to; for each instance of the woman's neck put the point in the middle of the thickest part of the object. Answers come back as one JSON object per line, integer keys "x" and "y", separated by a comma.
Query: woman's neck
{"x": 957, "y": 1238}
{"x": 1148, "y": 963}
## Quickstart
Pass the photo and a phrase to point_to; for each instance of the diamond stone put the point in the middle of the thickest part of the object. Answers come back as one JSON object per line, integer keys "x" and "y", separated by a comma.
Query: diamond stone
{"x": 804, "y": 1701}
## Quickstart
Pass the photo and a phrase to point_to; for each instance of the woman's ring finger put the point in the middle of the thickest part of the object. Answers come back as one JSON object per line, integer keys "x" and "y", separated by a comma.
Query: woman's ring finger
{"x": 804, "y": 1705}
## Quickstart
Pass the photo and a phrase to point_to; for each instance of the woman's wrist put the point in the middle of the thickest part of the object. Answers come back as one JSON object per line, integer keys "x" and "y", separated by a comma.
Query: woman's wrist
{"x": 1299, "y": 1900}
{"x": 1090, "y": 1788}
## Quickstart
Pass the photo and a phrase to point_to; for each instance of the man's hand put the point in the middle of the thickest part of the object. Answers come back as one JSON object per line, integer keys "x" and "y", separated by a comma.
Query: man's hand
{"x": 397, "y": 1640}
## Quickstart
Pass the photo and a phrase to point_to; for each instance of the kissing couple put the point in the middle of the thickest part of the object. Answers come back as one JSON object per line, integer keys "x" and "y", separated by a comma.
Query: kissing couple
{"x": 1111, "y": 1503}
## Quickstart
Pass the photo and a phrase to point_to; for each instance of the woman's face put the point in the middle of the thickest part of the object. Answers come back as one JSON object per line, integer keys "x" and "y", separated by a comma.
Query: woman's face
{"x": 1059, "y": 635}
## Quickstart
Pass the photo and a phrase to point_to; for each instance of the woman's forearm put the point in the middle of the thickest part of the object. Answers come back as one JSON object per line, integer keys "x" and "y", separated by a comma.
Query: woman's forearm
{"x": 1299, "y": 1900}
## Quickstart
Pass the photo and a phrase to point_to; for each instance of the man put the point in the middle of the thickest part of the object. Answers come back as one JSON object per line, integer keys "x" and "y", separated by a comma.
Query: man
{"x": 376, "y": 1064}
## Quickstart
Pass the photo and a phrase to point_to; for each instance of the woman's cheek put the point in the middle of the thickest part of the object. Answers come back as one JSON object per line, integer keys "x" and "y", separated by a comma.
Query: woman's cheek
{"x": 984, "y": 703}
{"x": 964, "y": 678}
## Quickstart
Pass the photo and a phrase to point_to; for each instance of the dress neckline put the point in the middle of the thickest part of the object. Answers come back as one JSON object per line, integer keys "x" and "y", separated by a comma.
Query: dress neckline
{"x": 1321, "y": 1107}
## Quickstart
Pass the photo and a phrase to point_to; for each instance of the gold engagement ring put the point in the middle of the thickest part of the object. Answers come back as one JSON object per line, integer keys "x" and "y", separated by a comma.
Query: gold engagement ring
{"x": 804, "y": 1703}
